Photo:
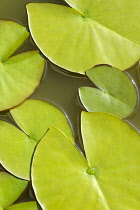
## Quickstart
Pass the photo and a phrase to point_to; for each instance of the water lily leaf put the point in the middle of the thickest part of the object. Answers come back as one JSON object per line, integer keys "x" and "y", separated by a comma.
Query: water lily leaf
{"x": 34, "y": 117}
{"x": 59, "y": 175}
{"x": 109, "y": 179}
{"x": 91, "y": 33}
{"x": 20, "y": 74}
{"x": 17, "y": 150}
{"x": 117, "y": 94}
{"x": 12, "y": 37}
{"x": 112, "y": 149}
{"x": 10, "y": 189}
{"x": 32, "y": 205}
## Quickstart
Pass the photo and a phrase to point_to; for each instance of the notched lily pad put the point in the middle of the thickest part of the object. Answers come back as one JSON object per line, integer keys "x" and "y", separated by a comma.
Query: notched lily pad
{"x": 90, "y": 34}
{"x": 117, "y": 94}
{"x": 109, "y": 179}
{"x": 10, "y": 189}
{"x": 32, "y": 205}
{"x": 19, "y": 74}
{"x": 34, "y": 117}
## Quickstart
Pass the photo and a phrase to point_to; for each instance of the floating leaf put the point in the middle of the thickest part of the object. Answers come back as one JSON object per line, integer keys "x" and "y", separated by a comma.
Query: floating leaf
{"x": 10, "y": 189}
{"x": 34, "y": 117}
{"x": 59, "y": 174}
{"x": 32, "y": 205}
{"x": 90, "y": 33}
{"x": 20, "y": 74}
{"x": 109, "y": 178}
{"x": 12, "y": 36}
{"x": 117, "y": 94}
{"x": 112, "y": 149}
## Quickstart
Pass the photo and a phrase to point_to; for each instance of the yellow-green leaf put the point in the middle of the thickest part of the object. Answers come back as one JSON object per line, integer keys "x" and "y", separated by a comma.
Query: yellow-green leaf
{"x": 10, "y": 189}
{"x": 117, "y": 94}
{"x": 90, "y": 33}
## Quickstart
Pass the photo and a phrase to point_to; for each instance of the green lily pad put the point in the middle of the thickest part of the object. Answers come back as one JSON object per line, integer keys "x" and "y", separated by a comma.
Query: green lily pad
{"x": 12, "y": 36}
{"x": 109, "y": 179}
{"x": 34, "y": 117}
{"x": 10, "y": 189}
{"x": 32, "y": 205}
{"x": 112, "y": 149}
{"x": 117, "y": 94}
{"x": 20, "y": 74}
{"x": 88, "y": 34}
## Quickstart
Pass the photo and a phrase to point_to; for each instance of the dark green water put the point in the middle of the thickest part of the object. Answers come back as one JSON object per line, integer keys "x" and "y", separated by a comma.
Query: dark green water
{"x": 59, "y": 86}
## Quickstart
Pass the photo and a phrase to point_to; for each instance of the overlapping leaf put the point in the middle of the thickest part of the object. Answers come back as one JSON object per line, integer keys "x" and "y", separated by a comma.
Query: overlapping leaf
{"x": 34, "y": 117}
{"x": 10, "y": 189}
{"x": 90, "y": 33}
{"x": 117, "y": 94}
{"x": 20, "y": 74}
{"x": 108, "y": 179}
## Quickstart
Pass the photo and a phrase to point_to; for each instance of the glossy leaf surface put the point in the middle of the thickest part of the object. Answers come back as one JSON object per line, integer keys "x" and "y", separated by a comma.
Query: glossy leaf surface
{"x": 117, "y": 94}
{"x": 112, "y": 149}
{"x": 92, "y": 32}
{"x": 10, "y": 189}
{"x": 20, "y": 74}
{"x": 34, "y": 117}
{"x": 32, "y": 205}
{"x": 109, "y": 179}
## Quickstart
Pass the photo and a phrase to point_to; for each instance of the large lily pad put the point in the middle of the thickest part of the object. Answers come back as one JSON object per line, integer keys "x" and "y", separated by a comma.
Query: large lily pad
{"x": 32, "y": 205}
{"x": 112, "y": 149}
{"x": 20, "y": 74}
{"x": 90, "y": 33}
{"x": 117, "y": 94}
{"x": 10, "y": 189}
{"x": 109, "y": 178}
{"x": 34, "y": 117}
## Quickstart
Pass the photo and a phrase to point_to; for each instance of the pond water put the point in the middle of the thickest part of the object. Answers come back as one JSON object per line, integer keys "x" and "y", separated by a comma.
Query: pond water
{"x": 59, "y": 86}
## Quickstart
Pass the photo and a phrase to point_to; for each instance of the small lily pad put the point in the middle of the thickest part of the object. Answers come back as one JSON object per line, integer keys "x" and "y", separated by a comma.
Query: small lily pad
{"x": 20, "y": 74}
{"x": 117, "y": 94}
{"x": 109, "y": 179}
{"x": 88, "y": 34}
{"x": 34, "y": 117}
{"x": 32, "y": 205}
{"x": 10, "y": 189}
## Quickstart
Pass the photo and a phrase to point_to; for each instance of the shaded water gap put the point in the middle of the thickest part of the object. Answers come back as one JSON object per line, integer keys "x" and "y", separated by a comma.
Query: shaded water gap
{"x": 134, "y": 118}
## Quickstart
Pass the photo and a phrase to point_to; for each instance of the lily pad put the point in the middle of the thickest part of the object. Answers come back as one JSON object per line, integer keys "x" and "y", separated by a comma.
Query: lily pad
{"x": 12, "y": 36}
{"x": 20, "y": 74}
{"x": 10, "y": 189}
{"x": 109, "y": 179}
{"x": 88, "y": 34}
{"x": 34, "y": 117}
{"x": 32, "y": 205}
{"x": 117, "y": 94}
